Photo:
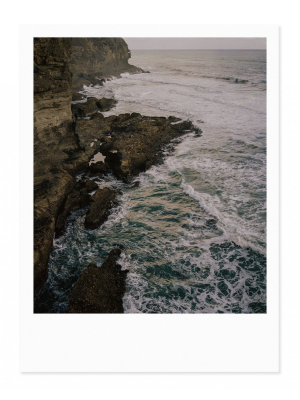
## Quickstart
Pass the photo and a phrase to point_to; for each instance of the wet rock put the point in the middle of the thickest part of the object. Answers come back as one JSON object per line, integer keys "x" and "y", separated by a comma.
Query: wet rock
{"x": 78, "y": 198}
{"x": 137, "y": 142}
{"x": 173, "y": 119}
{"x": 135, "y": 115}
{"x": 77, "y": 96}
{"x": 98, "y": 168}
{"x": 198, "y": 132}
{"x": 91, "y": 106}
{"x": 89, "y": 130}
{"x": 91, "y": 185}
{"x": 100, "y": 289}
{"x": 101, "y": 202}
{"x": 211, "y": 222}
{"x": 132, "y": 143}
{"x": 106, "y": 104}
{"x": 134, "y": 185}
{"x": 97, "y": 115}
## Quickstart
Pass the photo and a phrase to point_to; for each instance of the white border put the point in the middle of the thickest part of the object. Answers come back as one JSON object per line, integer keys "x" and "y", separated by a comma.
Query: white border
{"x": 148, "y": 343}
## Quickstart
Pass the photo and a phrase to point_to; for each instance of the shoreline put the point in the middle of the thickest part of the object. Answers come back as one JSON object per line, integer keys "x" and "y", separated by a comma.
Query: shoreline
{"x": 56, "y": 192}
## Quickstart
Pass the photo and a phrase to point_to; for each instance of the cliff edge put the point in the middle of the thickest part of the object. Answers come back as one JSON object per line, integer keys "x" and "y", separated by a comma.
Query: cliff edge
{"x": 56, "y": 151}
{"x": 58, "y": 155}
{"x": 94, "y": 59}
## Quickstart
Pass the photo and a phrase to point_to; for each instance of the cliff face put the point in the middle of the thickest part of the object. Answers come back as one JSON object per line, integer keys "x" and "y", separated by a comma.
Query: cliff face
{"x": 52, "y": 82}
{"x": 94, "y": 59}
{"x": 57, "y": 154}
{"x": 53, "y": 138}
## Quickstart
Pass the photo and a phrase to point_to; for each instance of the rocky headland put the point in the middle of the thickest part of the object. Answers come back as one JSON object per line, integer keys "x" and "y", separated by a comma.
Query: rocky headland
{"x": 95, "y": 59}
{"x": 76, "y": 138}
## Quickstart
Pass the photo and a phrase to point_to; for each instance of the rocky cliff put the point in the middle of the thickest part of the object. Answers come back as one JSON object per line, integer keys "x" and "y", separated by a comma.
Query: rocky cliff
{"x": 94, "y": 59}
{"x": 56, "y": 151}
{"x": 52, "y": 82}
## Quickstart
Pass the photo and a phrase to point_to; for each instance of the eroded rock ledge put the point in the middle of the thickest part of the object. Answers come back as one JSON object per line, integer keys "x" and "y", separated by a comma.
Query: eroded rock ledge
{"x": 131, "y": 143}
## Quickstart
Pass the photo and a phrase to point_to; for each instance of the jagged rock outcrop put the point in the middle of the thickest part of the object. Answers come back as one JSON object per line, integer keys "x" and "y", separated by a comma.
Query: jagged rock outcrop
{"x": 94, "y": 59}
{"x": 101, "y": 202}
{"x": 100, "y": 289}
{"x": 78, "y": 198}
{"x": 131, "y": 143}
{"x": 91, "y": 106}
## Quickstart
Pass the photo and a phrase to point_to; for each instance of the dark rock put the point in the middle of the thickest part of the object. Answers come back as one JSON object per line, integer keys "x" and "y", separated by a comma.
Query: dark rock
{"x": 211, "y": 222}
{"x": 105, "y": 104}
{"x": 92, "y": 106}
{"x": 198, "y": 132}
{"x": 97, "y": 115}
{"x": 101, "y": 202}
{"x": 132, "y": 143}
{"x": 98, "y": 168}
{"x": 173, "y": 119}
{"x": 85, "y": 109}
{"x": 77, "y": 96}
{"x": 89, "y": 130}
{"x": 100, "y": 289}
{"x": 135, "y": 184}
{"x": 76, "y": 199}
{"x": 136, "y": 115}
{"x": 137, "y": 143}
{"x": 95, "y": 59}
{"x": 91, "y": 185}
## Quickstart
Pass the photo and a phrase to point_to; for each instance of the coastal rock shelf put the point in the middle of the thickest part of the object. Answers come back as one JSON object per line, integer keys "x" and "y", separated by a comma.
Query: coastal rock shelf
{"x": 91, "y": 106}
{"x": 131, "y": 143}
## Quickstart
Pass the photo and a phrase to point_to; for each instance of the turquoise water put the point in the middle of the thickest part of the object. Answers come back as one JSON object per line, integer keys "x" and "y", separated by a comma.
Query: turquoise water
{"x": 194, "y": 230}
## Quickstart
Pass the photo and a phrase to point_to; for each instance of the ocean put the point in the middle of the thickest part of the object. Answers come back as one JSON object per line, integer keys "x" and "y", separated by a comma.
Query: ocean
{"x": 194, "y": 230}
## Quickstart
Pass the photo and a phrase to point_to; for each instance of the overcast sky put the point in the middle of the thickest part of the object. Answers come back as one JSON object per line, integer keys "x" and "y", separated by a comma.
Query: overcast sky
{"x": 194, "y": 43}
